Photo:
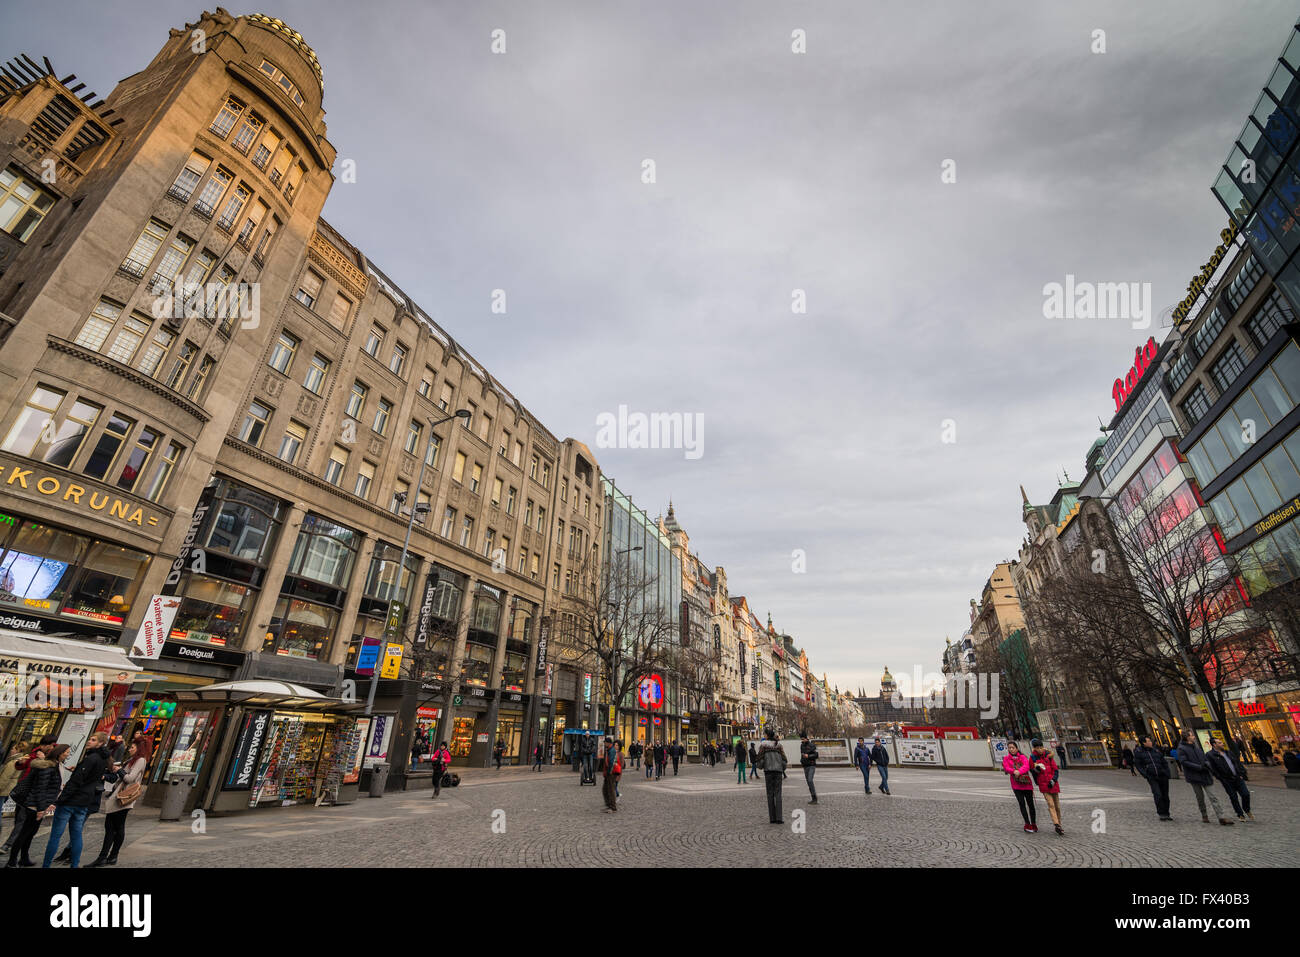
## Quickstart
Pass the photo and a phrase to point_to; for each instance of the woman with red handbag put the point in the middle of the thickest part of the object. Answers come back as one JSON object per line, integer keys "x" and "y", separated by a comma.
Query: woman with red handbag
{"x": 1017, "y": 766}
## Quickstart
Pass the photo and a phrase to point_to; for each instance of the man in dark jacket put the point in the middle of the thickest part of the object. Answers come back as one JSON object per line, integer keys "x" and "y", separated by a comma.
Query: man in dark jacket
{"x": 1151, "y": 764}
{"x": 612, "y": 772}
{"x": 1263, "y": 750}
{"x": 862, "y": 761}
{"x": 1197, "y": 772}
{"x": 808, "y": 755}
{"x": 772, "y": 757}
{"x": 676, "y": 751}
{"x": 880, "y": 758}
{"x": 79, "y": 795}
{"x": 1233, "y": 778}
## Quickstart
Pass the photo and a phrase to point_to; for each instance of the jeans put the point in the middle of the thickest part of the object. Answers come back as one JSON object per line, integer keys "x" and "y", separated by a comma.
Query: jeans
{"x": 740, "y": 772}
{"x": 675, "y": 760}
{"x": 1160, "y": 791}
{"x": 753, "y": 769}
{"x": 72, "y": 818}
{"x": 1025, "y": 799}
{"x": 884, "y": 776}
{"x": 866, "y": 775}
{"x": 773, "y": 780}
{"x": 649, "y": 770}
{"x": 1203, "y": 791}
{"x": 808, "y": 772}
{"x": 1239, "y": 795}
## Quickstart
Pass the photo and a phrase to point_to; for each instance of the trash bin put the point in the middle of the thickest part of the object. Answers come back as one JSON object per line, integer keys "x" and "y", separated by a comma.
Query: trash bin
{"x": 178, "y": 791}
{"x": 378, "y": 779}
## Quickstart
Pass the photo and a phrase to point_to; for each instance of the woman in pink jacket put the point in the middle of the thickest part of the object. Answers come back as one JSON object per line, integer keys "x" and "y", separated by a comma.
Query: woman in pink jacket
{"x": 1045, "y": 776}
{"x": 1017, "y": 766}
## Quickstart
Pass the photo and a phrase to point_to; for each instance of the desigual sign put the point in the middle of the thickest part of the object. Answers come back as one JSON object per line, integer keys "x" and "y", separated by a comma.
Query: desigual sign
{"x": 63, "y": 489}
{"x": 1142, "y": 359}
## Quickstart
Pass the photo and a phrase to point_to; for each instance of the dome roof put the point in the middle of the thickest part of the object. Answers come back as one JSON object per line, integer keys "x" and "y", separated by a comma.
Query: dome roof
{"x": 294, "y": 37}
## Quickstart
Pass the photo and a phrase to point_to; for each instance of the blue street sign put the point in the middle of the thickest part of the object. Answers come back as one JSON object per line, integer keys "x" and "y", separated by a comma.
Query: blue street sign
{"x": 368, "y": 656}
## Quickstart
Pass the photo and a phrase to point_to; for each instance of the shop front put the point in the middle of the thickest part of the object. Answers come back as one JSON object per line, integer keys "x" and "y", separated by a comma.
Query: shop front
{"x": 262, "y": 743}
{"x": 56, "y": 685}
{"x": 1273, "y": 717}
{"x": 471, "y": 739}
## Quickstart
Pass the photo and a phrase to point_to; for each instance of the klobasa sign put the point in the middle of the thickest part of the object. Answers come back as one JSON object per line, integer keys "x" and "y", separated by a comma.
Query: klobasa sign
{"x": 1142, "y": 359}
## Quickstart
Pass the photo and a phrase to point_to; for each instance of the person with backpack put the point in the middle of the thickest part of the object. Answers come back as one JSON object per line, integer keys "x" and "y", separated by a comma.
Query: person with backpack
{"x": 1047, "y": 776}
{"x": 772, "y": 756}
{"x": 36, "y": 792}
{"x": 613, "y": 768}
{"x": 880, "y": 758}
{"x": 1232, "y": 775}
{"x": 127, "y": 789}
{"x": 862, "y": 761}
{"x": 1017, "y": 767}
{"x": 1151, "y": 764}
{"x": 82, "y": 792}
{"x": 1197, "y": 772}
{"x": 441, "y": 758}
{"x": 808, "y": 755}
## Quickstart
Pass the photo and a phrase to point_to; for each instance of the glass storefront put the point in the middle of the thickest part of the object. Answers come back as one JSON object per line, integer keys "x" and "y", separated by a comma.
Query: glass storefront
{"x": 462, "y": 736}
{"x": 433, "y": 660}
{"x": 313, "y": 591}
{"x": 381, "y": 587}
{"x": 510, "y": 729}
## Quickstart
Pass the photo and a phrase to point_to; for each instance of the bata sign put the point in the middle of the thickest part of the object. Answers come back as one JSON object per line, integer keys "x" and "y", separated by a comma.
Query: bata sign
{"x": 1142, "y": 359}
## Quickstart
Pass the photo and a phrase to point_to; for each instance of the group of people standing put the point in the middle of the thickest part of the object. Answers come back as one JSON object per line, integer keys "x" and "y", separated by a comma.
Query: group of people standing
{"x": 104, "y": 780}
{"x": 656, "y": 757}
{"x": 1200, "y": 771}
{"x": 863, "y": 759}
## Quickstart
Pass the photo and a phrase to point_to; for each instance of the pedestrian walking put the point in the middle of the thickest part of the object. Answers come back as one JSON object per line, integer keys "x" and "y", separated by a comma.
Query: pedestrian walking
{"x": 1151, "y": 764}
{"x": 708, "y": 753}
{"x": 1047, "y": 776}
{"x": 79, "y": 795}
{"x": 649, "y": 751}
{"x": 1017, "y": 767}
{"x": 1232, "y": 775}
{"x": 10, "y": 773}
{"x": 1263, "y": 750}
{"x": 1240, "y": 751}
{"x": 634, "y": 754}
{"x": 677, "y": 755}
{"x": 773, "y": 759}
{"x": 127, "y": 788}
{"x": 498, "y": 752}
{"x": 808, "y": 760}
{"x": 36, "y": 793}
{"x": 753, "y": 762}
{"x": 862, "y": 761}
{"x": 880, "y": 758}
{"x": 661, "y": 759}
{"x": 538, "y": 753}
{"x": 741, "y": 756}
{"x": 441, "y": 758}
{"x": 612, "y": 771}
{"x": 1192, "y": 760}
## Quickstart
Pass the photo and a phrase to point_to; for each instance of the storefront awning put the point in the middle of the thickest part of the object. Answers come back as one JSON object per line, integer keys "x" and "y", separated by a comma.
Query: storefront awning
{"x": 109, "y": 660}
{"x": 257, "y": 692}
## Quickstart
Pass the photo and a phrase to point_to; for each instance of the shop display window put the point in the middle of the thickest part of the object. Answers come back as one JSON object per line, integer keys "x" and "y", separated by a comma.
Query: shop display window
{"x": 300, "y": 629}
{"x": 478, "y": 663}
{"x": 244, "y": 523}
{"x": 189, "y": 738}
{"x": 37, "y": 565}
{"x": 106, "y": 585}
{"x": 211, "y": 611}
{"x": 462, "y": 737}
{"x": 324, "y": 552}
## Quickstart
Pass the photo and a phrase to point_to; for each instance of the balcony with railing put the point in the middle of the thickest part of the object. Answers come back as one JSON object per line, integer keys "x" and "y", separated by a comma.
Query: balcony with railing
{"x": 132, "y": 268}
{"x": 226, "y": 224}
{"x": 179, "y": 193}
{"x": 203, "y": 209}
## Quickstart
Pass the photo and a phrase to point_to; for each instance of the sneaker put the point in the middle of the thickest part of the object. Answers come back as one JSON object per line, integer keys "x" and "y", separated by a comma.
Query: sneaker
{"x": 1028, "y": 829}
{"x": 1059, "y": 829}
{"x": 813, "y": 801}
{"x": 1241, "y": 818}
{"x": 1166, "y": 818}
{"x": 1225, "y": 822}
{"x": 1033, "y": 829}
{"x": 1249, "y": 815}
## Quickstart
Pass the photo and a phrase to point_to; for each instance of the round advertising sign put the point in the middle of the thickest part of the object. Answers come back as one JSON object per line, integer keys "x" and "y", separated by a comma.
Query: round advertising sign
{"x": 651, "y": 693}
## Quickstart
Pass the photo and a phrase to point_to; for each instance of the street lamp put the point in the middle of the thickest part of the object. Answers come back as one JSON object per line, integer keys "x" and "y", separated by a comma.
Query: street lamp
{"x": 390, "y": 629}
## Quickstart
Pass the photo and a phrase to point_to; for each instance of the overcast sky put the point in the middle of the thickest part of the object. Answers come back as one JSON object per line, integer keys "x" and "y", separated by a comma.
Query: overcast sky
{"x": 778, "y": 171}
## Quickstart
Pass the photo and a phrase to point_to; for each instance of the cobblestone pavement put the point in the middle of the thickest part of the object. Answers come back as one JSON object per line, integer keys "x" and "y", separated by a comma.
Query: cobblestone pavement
{"x": 704, "y": 818}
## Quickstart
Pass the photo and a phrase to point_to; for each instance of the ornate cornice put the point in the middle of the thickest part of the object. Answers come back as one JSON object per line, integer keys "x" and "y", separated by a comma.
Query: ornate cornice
{"x": 322, "y": 252}
{"x": 94, "y": 358}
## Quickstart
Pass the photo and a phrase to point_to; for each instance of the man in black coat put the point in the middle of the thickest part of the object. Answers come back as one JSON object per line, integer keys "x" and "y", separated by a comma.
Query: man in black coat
{"x": 808, "y": 755}
{"x": 1151, "y": 764}
{"x": 79, "y": 796}
{"x": 676, "y": 751}
{"x": 1233, "y": 778}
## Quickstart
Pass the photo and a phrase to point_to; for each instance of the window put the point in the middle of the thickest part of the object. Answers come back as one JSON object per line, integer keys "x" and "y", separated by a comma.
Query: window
{"x": 138, "y": 459}
{"x": 286, "y": 85}
{"x": 476, "y": 478}
{"x": 467, "y": 423}
{"x": 555, "y": 575}
{"x": 164, "y": 471}
{"x": 536, "y": 568}
{"x": 1196, "y": 405}
{"x": 533, "y": 465}
{"x": 226, "y": 117}
{"x": 505, "y": 551}
{"x": 541, "y": 519}
{"x": 444, "y": 399}
{"x": 316, "y": 373}
{"x": 546, "y": 476}
{"x": 365, "y": 477}
{"x": 564, "y": 490}
{"x": 339, "y": 310}
{"x": 523, "y": 560}
{"x": 497, "y": 486}
{"x": 145, "y": 248}
{"x": 234, "y": 206}
{"x": 128, "y": 339}
{"x": 381, "y": 416}
{"x": 309, "y": 288}
{"x": 337, "y": 464}
{"x": 72, "y": 433}
{"x": 1228, "y": 367}
{"x": 181, "y": 364}
{"x": 505, "y": 444}
{"x": 426, "y": 382}
{"x": 559, "y": 532}
{"x": 400, "y": 495}
{"x": 200, "y": 268}
{"x": 397, "y": 363}
{"x": 213, "y": 190}
{"x": 528, "y": 514}
{"x": 248, "y": 131}
{"x": 489, "y": 541}
{"x": 413, "y": 432}
{"x": 518, "y": 454}
{"x": 178, "y": 250}
{"x": 1268, "y": 318}
{"x": 586, "y": 506}
{"x": 485, "y": 428}
{"x": 35, "y": 418}
{"x": 467, "y": 532}
{"x": 190, "y": 176}
{"x": 109, "y": 444}
{"x": 200, "y": 377}
{"x": 265, "y": 149}
{"x": 254, "y": 424}
{"x": 292, "y": 441}
{"x": 23, "y": 205}
{"x": 282, "y": 352}
{"x": 374, "y": 341}
{"x": 448, "y": 521}
{"x": 431, "y": 457}
{"x": 510, "y": 500}
{"x": 99, "y": 325}
{"x": 356, "y": 400}
{"x": 458, "y": 471}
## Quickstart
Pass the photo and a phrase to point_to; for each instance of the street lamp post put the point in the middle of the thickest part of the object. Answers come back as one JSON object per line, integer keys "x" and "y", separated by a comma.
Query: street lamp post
{"x": 390, "y": 629}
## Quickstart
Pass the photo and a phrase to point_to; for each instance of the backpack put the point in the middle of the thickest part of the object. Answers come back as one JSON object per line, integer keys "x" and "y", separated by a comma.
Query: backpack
{"x": 774, "y": 759}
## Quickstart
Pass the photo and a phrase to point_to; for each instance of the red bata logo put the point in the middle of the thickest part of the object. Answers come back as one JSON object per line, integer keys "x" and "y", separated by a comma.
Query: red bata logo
{"x": 1142, "y": 359}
